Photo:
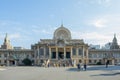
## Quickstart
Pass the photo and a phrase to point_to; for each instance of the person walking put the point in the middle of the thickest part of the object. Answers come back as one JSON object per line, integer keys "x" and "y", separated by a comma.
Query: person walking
{"x": 78, "y": 66}
{"x": 85, "y": 66}
{"x": 107, "y": 63}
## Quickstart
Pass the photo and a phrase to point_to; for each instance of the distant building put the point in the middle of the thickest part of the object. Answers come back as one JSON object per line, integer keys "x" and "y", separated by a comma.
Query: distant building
{"x": 10, "y": 56}
{"x": 94, "y": 46}
{"x": 107, "y": 46}
{"x": 6, "y": 44}
{"x": 114, "y": 44}
{"x": 18, "y": 48}
{"x": 112, "y": 54}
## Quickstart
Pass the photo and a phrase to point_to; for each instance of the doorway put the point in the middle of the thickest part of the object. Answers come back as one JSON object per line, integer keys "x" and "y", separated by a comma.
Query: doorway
{"x": 53, "y": 55}
{"x": 67, "y": 54}
{"x": 61, "y": 55}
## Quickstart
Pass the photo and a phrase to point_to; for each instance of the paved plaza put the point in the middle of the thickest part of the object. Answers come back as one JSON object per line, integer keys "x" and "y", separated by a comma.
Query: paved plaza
{"x": 62, "y": 73}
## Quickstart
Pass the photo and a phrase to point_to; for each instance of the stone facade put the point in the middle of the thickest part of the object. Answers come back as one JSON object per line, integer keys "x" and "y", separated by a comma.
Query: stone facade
{"x": 13, "y": 57}
{"x": 102, "y": 55}
{"x": 62, "y": 50}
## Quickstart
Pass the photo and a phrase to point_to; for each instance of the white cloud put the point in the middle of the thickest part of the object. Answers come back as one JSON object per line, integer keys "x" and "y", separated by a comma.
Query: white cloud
{"x": 93, "y": 37}
{"x": 109, "y": 21}
{"x": 100, "y": 23}
{"x": 105, "y": 3}
{"x": 43, "y": 31}
{"x": 46, "y": 32}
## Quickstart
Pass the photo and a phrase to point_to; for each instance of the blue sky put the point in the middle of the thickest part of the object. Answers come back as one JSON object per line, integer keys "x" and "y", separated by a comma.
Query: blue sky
{"x": 28, "y": 21}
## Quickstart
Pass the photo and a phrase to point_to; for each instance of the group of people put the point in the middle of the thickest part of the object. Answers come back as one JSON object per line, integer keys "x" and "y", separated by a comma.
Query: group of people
{"x": 81, "y": 66}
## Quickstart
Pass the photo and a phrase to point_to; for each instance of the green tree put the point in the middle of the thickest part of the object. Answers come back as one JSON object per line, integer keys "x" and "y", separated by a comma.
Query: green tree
{"x": 27, "y": 62}
{"x": 99, "y": 63}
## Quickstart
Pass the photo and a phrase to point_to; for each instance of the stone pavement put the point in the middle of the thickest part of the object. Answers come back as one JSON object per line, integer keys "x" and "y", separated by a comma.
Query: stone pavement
{"x": 67, "y": 73}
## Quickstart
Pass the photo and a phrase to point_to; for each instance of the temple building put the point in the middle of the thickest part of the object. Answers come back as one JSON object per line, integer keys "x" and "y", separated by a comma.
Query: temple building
{"x": 62, "y": 49}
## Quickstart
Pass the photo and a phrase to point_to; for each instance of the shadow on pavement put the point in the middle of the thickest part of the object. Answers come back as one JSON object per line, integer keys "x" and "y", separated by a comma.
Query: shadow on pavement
{"x": 92, "y": 68}
{"x": 108, "y": 74}
{"x": 72, "y": 69}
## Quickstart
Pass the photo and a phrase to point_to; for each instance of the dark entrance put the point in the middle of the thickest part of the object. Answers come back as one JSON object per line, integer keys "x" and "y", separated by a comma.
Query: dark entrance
{"x": 67, "y": 54}
{"x": 12, "y": 62}
{"x": 61, "y": 55}
{"x": 53, "y": 55}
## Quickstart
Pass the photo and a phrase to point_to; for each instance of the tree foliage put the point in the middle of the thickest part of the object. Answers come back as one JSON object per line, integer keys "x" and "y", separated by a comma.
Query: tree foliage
{"x": 27, "y": 62}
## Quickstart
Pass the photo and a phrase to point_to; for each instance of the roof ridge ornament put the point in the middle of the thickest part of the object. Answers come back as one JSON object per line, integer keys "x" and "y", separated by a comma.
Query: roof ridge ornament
{"x": 62, "y": 25}
{"x": 114, "y": 35}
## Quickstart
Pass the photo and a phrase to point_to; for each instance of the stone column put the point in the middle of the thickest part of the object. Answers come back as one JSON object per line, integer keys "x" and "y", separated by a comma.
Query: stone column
{"x": 64, "y": 52}
{"x": 35, "y": 56}
{"x": 56, "y": 53}
{"x": 2, "y": 59}
{"x": 86, "y": 55}
{"x": 8, "y": 62}
{"x": 83, "y": 55}
{"x": 77, "y": 51}
{"x": 49, "y": 52}
{"x": 44, "y": 56}
{"x": 71, "y": 52}
{"x": 38, "y": 56}
{"x": 15, "y": 62}
{"x": 113, "y": 61}
{"x": 38, "y": 52}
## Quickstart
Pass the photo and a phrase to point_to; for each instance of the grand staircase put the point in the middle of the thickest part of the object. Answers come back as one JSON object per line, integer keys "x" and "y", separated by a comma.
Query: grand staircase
{"x": 60, "y": 63}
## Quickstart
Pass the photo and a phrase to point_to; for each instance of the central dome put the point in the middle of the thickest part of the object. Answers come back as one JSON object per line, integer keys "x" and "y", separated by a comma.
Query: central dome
{"x": 62, "y": 33}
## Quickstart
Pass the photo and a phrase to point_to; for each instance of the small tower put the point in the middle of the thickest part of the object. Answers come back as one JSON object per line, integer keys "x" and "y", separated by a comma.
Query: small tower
{"x": 6, "y": 44}
{"x": 114, "y": 43}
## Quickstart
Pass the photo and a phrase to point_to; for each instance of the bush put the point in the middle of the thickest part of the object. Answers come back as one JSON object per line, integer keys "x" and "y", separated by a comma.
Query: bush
{"x": 27, "y": 62}
{"x": 99, "y": 63}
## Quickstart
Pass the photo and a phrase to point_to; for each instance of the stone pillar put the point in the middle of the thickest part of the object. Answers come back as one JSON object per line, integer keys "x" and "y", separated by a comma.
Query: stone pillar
{"x": 49, "y": 53}
{"x": 15, "y": 62}
{"x": 77, "y": 51}
{"x": 8, "y": 62}
{"x": 113, "y": 62}
{"x": 56, "y": 53}
{"x": 38, "y": 56}
{"x": 64, "y": 52}
{"x": 74, "y": 63}
{"x": 71, "y": 52}
{"x": 35, "y": 56}
{"x": 44, "y": 56}
{"x": 83, "y": 55}
{"x": 2, "y": 59}
{"x": 38, "y": 52}
{"x": 87, "y": 60}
